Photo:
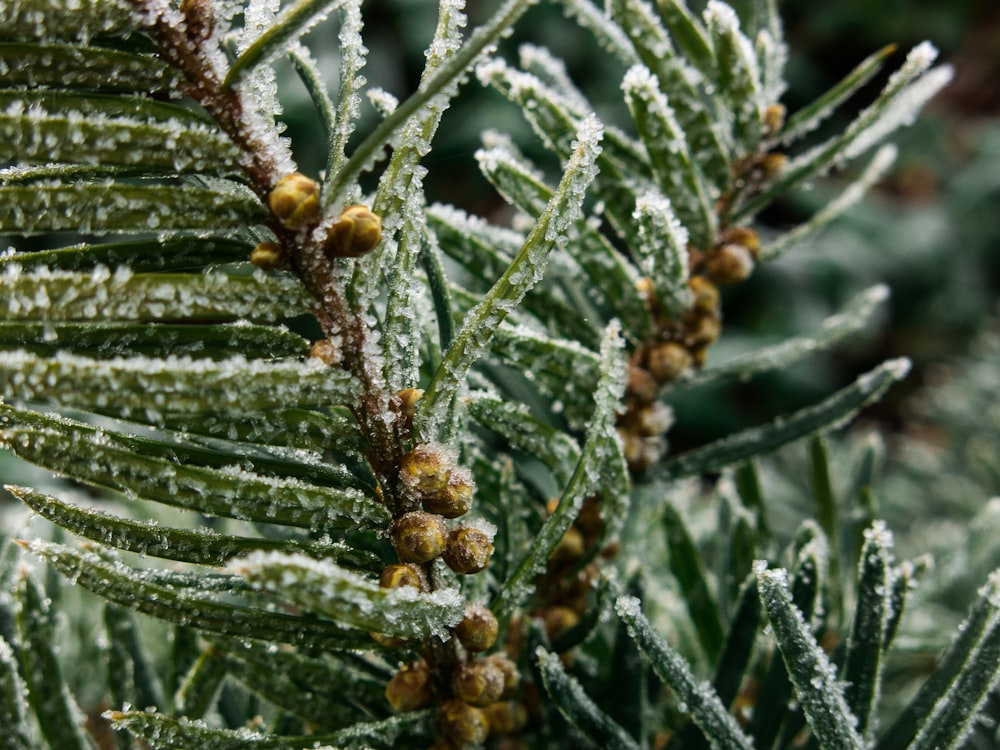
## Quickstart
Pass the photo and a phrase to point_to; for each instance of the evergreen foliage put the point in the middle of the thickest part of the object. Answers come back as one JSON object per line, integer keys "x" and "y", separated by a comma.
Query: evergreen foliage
{"x": 375, "y": 472}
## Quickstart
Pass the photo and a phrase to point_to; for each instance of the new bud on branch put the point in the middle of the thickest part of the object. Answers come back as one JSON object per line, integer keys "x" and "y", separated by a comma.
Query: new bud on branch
{"x": 295, "y": 201}
{"x": 357, "y": 231}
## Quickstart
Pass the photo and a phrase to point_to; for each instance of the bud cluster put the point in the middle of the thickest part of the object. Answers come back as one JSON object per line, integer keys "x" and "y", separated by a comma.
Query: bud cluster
{"x": 565, "y": 589}
{"x": 469, "y": 690}
{"x": 732, "y": 258}
{"x": 476, "y": 698}
{"x": 428, "y": 473}
{"x": 295, "y": 203}
{"x": 680, "y": 344}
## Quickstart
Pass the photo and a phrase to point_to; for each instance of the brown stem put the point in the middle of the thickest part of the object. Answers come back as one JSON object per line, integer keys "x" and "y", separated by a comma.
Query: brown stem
{"x": 308, "y": 262}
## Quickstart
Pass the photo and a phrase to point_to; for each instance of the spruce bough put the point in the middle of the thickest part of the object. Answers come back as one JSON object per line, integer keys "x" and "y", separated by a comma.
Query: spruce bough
{"x": 416, "y": 455}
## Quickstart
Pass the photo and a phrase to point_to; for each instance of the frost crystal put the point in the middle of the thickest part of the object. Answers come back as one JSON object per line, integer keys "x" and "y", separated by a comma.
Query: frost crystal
{"x": 662, "y": 250}
{"x": 550, "y": 231}
{"x": 324, "y": 587}
{"x": 384, "y": 102}
{"x": 722, "y": 16}
{"x": 902, "y": 110}
{"x": 542, "y": 63}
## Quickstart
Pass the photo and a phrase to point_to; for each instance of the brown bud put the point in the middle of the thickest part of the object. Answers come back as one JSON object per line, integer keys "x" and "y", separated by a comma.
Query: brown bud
{"x": 641, "y": 386}
{"x": 403, "y": 574}
{"x": 651, "y": 450}
{"x": 700, "y": 331}
{"x": 409, "y": 398}
{"x": 706, "y": 294}
{"x": 419, "y": 537}
{"x": 325, "y": 352}
{"x": 558, "y": 620}
{"x": 772, "y": 164}
{"x": 632, "y": 445}
{"x": 469, "y": 550}
{"x": 667, "y": 361}
{"x": 570, "y": 547}
{"x": 729, "y": 264}
{"x": 744, "y": 236}
{"x": 456, "y": 497}
{"x": 653, "y": 420}
{"x": 511, "y": 677}
{"x": 590, "y": 519}
{"x": 478, "y": 682}
{"x": 506, "y": 717}
{"x": 295, "y": 201}
{"x": 268, "y": 256}
{"x": 357, "y": 231}
{"x": 774, "y": 118}
{"x": 425, "y": 470}
{"x": 462, "y": 723}
{"x": 645, "y": 288}
{"x": 478, "y": 629}
{"x": 410, "y": 688}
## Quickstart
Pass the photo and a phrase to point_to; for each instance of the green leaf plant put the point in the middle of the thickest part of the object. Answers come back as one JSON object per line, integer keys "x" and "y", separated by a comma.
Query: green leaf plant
{"x": 353, "y": 469}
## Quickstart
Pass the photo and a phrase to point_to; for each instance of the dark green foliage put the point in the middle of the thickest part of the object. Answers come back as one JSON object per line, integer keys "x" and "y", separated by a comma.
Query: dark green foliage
{"x": 223, "y": 445}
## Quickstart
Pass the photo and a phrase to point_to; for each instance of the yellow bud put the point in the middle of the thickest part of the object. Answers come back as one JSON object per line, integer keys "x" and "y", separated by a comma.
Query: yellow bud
{"x": 410, "y": 688}
{"x": 511, "y": 677}
{"x": 462, "y": 723}
{"x": 268, "y": 256}
{"x": 409, "y": 398}
{"x": 295, "y": 201}
{"x": 653, "y": 420}
{"x": 478, "y": 629}
{"x": 700, "y": 354}
{"x": 419, "y": 537}
{"x": 357, "y": 231}
{"x": 456, "y": 498}
{"x": 632, "y": 446}
{"x": 700, "y": 331}
{"x": 325, "y": 352}
{"x": 570, "y": 547}
{"x": 403, "y": 574}
{"x": 774, "y": 118}
{"x": 729, "y": 264}
{"x": 641, "y": 386}
{"x": 469, "y": 550}
{"x": 772, "y": 164}
{"x": 506, "y": 717}
{"x": 706, "y": 294}
{"x": 667, "y": 361}
{"x": 645, "y": 288}
{"x": 478, "y": 682}
{"x": 558, "y": 620}
{"x": 744, "y": 236}
{"x": 426, "y": 469}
